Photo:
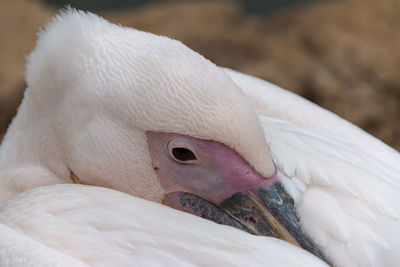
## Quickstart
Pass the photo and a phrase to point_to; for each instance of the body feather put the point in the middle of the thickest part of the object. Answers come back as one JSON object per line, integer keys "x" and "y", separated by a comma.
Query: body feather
{"x": 95, "y": 226}
{"x": 345, "y": 183}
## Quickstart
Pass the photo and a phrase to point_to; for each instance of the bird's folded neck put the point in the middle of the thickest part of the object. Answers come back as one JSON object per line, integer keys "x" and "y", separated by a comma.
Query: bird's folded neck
{"x": 29, "y": 154}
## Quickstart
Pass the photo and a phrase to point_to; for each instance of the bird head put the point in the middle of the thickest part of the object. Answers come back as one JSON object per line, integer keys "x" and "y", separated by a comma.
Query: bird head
{"x": 146, "y": 115}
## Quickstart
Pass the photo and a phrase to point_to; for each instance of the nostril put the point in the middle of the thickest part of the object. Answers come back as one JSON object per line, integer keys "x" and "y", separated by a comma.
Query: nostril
{"x": 183, "y": 154}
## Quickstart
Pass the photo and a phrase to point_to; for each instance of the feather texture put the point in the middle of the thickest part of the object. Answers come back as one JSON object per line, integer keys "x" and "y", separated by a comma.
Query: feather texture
{"x": 345, "y": 183}
{"x": 75, "y": 225}
{"x": 347, "y": 204}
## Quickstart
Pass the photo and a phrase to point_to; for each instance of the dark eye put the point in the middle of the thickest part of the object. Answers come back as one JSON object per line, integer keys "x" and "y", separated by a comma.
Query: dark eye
{"x": 183, "y": 154}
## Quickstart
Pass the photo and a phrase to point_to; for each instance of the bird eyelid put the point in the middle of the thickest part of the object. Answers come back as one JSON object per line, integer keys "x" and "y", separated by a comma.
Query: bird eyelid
{"x": 181, "y": 151}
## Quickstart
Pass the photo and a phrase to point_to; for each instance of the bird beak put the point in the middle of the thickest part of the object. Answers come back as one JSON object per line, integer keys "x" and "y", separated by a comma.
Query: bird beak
{"x": 266, "y": 211}
{"x": 269, "y": 212}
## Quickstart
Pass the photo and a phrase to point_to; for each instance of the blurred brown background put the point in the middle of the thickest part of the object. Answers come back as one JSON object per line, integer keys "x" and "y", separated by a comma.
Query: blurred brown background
{"x": 341, "y": 54}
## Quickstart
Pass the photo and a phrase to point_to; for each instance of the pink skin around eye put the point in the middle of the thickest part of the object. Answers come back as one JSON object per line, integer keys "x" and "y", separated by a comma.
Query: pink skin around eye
{"x": 222, "y": 187}
{"x": 216, "y": 174}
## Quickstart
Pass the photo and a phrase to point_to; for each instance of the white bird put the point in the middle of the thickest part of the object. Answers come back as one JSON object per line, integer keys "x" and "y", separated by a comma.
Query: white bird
{"x": 80, "y": 225}
{"x": 143, "y": 114}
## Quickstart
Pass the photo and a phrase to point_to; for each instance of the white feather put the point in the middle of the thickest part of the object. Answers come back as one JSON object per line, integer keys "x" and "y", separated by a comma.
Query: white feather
{"x": 345, "y": 183}
{"x": 338, "y": 182}
{"x": 75, "y": 225}
{"x": 348, "y": 181}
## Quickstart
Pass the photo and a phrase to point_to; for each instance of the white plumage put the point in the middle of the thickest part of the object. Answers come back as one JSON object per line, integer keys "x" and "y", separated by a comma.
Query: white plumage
{"x": 344, "y": 182}
{"x": 76, "y": 225}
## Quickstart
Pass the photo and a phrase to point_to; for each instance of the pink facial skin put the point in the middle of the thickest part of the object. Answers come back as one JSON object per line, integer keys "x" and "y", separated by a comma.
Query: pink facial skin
{"x": 216, "y": 183}
{"x": 217, "y": 173}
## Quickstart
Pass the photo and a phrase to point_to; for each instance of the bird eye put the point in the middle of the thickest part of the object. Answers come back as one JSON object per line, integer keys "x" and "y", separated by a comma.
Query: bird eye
{"x": 181, "y": 150}
{"x": 182, "y": 154}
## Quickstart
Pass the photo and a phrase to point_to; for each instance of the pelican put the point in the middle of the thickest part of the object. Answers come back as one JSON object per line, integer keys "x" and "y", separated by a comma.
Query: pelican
{"x": 40, "y": 228}
{"x": 143, "y": 114}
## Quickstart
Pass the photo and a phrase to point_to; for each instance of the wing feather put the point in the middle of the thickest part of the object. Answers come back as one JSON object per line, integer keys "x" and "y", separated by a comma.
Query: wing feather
{"x": 17, "y": 249}
{"x": 273, "y": 101}
{"x": 345, "y": 182}
{"x": 103, "y": 227}
{"x": 346, "y": 203}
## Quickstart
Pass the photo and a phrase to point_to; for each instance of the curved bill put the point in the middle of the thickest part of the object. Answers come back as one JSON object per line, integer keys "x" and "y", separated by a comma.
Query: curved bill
{"x": 261, "y": 211}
